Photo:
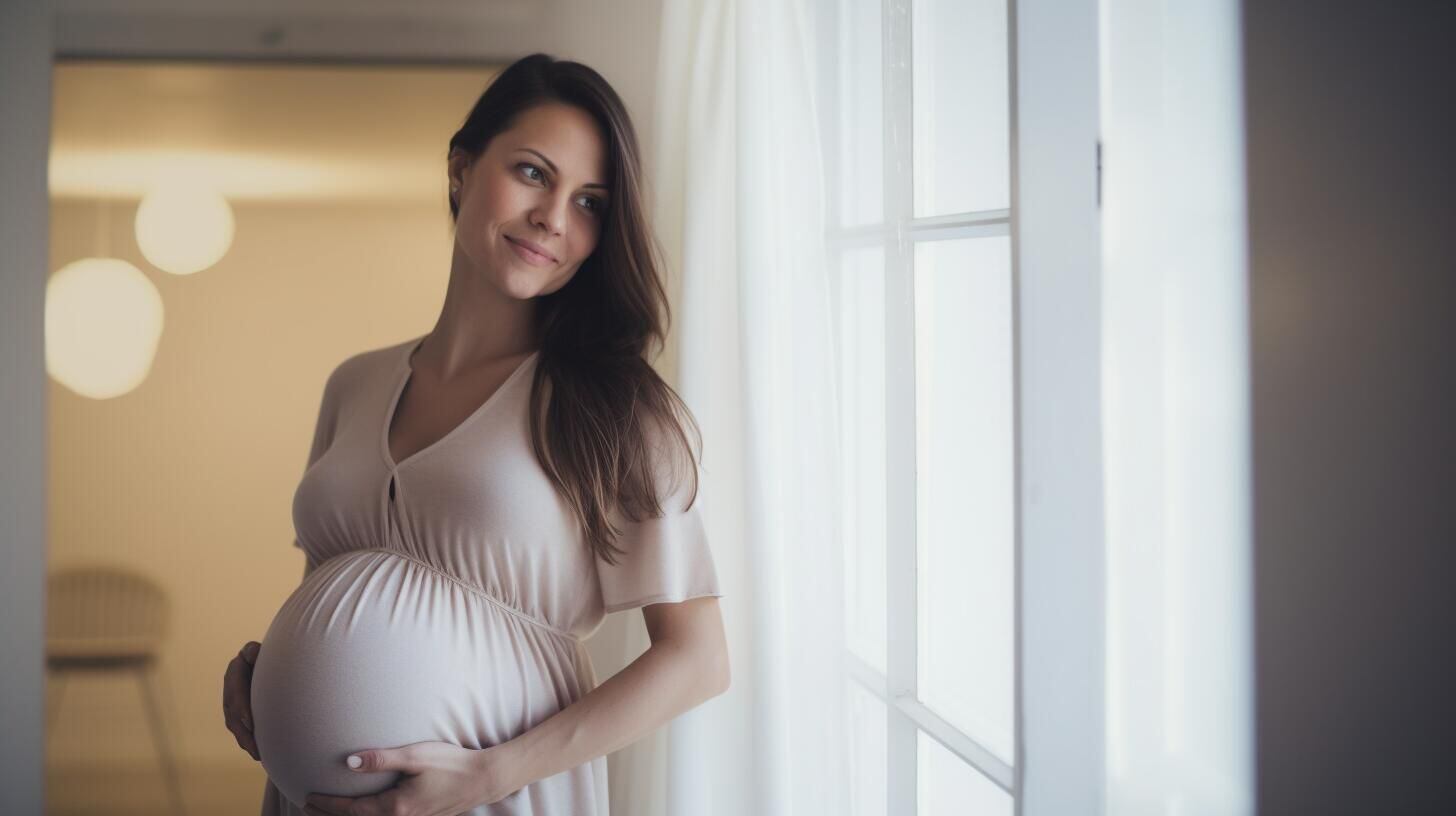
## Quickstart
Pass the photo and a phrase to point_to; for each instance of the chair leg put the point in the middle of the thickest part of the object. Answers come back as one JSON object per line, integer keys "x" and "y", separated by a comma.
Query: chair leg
{"x": 53, "y": 699}
{"x": 147, "y": 678}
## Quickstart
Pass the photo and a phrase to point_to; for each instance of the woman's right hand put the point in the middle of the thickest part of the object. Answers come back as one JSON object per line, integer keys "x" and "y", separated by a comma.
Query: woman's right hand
{"x": 237, "y": 697}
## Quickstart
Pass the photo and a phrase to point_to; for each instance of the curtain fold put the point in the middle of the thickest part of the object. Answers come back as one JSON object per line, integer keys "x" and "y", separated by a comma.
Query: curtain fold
{"x": 739, "y": 208}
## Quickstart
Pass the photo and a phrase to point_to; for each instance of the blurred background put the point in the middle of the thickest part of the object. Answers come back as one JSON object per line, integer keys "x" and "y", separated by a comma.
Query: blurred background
{"x": 257, "y": 192}
{"x": 340, "y": 241}
{"x": 1074, "y": 378}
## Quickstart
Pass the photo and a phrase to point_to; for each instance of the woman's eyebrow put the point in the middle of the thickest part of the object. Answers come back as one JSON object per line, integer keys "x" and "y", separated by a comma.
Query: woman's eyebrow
{"x": 553, "y": 166}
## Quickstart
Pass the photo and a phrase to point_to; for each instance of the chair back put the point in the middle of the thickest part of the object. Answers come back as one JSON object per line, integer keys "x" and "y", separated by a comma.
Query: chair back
{"x": 103, "y": 611}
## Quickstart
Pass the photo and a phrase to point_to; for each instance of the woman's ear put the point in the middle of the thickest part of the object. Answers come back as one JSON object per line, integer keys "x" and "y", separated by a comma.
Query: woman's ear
{"x": 455, "y": 168}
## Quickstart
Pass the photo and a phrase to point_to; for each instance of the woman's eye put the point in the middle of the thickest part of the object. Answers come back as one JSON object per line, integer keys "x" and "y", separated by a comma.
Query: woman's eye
{"x": 595, "y": 205}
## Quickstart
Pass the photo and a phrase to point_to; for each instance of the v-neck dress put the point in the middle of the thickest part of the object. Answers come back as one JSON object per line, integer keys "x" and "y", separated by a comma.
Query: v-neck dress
{"x": 450, "y": 596}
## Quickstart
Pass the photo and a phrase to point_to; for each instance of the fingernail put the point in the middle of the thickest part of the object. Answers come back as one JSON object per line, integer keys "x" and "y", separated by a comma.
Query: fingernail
{"x": 354, "y": 761}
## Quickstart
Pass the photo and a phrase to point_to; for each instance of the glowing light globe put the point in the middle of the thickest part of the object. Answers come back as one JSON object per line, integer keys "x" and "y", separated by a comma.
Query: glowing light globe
{"x": 103, "y": 321}
{"x": 183, "y": 229}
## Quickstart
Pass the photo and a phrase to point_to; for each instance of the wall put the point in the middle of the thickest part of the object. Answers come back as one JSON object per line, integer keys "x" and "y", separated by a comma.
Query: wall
{"x": 189, "y": 478}
{"x": 1353, "y": 286}
{"x": 25, "y": 96}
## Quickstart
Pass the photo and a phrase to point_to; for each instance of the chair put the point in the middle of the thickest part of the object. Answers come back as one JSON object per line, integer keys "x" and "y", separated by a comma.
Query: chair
{"x": 109, "y": 619}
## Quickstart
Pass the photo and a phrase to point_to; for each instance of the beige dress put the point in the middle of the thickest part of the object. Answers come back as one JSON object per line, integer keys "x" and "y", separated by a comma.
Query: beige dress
{"x": 451, "y": 595}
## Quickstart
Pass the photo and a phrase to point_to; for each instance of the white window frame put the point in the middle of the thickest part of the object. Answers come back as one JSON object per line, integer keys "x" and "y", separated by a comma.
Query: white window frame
{"x": 1053, "y": 224}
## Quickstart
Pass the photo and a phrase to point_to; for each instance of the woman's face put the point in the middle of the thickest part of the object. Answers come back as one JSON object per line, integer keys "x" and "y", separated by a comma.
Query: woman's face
{"x": 542, "y": 183}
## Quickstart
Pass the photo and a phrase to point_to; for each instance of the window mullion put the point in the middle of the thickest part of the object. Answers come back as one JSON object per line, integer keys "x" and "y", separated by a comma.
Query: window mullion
{"x": 982, "y": 759}
{"x": 900, "y": 574}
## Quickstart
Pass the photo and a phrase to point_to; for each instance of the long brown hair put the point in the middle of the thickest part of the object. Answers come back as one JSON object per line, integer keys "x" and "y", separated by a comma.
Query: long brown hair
{"x": 609, "y": 419}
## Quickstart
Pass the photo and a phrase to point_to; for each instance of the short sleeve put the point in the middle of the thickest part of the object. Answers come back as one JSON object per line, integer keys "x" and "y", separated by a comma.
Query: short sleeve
{"x": 323, "y": 426}
{"x": 665, "y": 559}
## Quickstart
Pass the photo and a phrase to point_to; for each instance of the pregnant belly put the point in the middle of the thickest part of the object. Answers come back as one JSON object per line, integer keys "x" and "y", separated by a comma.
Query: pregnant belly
{"x": 375, "y": 650}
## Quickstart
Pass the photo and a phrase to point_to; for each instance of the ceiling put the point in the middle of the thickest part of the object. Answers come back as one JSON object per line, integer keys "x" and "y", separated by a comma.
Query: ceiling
{"x": 257, "y": 131}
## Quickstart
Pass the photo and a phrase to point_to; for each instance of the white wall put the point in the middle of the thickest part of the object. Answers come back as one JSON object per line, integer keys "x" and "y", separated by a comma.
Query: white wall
{"x": 1175, "y": 395}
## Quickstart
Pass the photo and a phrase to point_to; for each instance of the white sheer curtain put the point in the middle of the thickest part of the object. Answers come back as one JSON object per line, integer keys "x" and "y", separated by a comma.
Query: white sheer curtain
{"x": 739, "y": 188}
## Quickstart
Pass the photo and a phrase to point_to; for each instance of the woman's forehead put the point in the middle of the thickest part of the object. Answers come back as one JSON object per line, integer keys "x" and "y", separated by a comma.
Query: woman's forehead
{"x": 566, "y": 136}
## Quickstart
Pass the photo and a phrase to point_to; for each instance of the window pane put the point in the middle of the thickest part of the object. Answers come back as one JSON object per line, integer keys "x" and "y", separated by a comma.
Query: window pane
{"x": 964, "y": 485}
{"x": 861, "y": 327}
{"x": 867, "y": 758}
{"x": 947, "y": 785}
{"x": 962, "y": 104}
{"x": 861, "y": 157}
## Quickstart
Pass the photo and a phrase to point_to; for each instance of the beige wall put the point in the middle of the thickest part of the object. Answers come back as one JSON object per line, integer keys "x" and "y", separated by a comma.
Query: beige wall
{"x": 190, "y": 477}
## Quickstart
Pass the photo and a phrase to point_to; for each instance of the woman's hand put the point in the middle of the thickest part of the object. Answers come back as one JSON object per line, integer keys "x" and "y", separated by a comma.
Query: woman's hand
{"x": 440, "y": 779}
{"x": 237, "y": 696}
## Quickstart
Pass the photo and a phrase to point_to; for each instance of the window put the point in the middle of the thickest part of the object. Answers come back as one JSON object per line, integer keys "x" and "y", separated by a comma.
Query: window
{"x": 919, "y": 110}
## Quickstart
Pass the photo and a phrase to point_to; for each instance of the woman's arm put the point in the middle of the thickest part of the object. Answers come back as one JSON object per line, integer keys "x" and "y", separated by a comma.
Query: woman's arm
{"x": 686, "y": 664}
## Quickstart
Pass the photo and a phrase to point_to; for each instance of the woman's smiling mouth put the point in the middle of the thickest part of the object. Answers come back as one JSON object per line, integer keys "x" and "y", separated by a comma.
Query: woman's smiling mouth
{"x": 531, "y": 253}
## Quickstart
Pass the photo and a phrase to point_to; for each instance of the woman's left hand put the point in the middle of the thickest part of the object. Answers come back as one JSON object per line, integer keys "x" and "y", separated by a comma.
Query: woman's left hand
{"x": 439, "y": 779}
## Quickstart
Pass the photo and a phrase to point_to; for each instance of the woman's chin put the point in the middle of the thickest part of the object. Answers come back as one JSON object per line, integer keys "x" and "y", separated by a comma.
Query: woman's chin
{"x": 527, "y": 284}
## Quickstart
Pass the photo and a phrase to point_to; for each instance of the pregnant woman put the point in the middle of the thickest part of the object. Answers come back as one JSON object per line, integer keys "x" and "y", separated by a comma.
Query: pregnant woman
{"x": 478, "y": 498}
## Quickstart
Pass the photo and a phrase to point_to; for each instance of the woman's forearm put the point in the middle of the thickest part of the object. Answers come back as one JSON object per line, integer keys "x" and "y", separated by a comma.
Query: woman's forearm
{"x": 663, "y": 682}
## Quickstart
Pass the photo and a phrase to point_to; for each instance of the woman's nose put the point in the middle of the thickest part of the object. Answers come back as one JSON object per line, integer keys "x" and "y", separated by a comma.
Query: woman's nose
{"x": 550, "y": 213}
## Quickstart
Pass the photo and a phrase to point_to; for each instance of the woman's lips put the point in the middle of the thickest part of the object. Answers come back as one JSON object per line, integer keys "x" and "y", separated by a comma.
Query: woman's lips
{"x": 531, "y": 256}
